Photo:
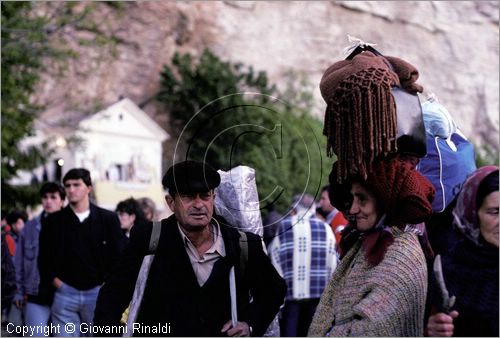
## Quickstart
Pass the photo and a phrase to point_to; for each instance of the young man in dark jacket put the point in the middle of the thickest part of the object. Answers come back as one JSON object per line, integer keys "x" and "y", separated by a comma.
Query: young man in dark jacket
{"x": 36, "y": 309}
{"x": 78, "y": 247}
{"x": 188, "y": 288}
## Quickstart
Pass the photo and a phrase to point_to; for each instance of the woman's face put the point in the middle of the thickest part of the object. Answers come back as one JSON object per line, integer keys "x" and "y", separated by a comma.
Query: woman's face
{"x": 364, "y": 207}
{"x": 488, "y": 218}
{"x": 126, "y": 220}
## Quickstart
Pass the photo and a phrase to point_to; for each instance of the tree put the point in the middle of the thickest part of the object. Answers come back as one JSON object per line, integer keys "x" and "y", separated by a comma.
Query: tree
{"x": 229, "y": 115}
{"x": 32, "y": 39}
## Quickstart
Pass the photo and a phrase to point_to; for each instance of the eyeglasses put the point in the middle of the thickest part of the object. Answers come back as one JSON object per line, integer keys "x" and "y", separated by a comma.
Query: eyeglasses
{"x": 204, "y": 196}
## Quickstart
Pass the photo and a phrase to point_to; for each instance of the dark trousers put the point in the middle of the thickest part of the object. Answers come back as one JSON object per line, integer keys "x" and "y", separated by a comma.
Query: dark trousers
{"x": 296, "y": 316}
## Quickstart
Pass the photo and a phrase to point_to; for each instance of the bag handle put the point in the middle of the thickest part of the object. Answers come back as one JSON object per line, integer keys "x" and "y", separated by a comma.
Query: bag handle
{"x": 363, "y": 48}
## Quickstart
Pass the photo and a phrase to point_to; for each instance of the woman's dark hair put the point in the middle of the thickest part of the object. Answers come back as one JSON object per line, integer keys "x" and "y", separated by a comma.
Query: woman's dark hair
{"x": 14, "y": 215}
{"x": 488, "y": 185}
{"x": 131, "y": 207}
{"x": 52, "y": 187}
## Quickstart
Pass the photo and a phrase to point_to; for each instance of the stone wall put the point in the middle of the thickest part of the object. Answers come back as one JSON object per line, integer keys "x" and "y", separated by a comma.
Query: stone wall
{"x": 455, "y": 46}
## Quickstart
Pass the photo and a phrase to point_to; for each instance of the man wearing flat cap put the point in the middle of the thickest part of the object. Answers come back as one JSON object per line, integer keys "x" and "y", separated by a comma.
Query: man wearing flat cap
{"x": 188, "y": 284}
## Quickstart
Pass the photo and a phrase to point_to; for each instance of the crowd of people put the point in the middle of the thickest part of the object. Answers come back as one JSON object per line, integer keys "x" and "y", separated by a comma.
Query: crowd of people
{"x": 80, "y": 263}
{"x": 54, "y": 275}
{"x": 362, "y": 258}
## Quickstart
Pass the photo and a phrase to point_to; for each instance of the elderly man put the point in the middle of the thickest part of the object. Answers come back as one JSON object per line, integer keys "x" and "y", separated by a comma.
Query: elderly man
{"x": 188, "y": 285}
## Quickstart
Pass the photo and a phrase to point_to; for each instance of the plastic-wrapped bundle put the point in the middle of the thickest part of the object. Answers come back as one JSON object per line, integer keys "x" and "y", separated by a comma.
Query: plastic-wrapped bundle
{"x": 437, "y": 119}
{"x": 237, "y": 199}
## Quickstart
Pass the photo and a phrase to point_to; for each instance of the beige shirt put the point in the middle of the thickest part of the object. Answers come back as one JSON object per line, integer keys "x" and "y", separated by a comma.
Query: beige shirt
{"x": 202, "y": 266}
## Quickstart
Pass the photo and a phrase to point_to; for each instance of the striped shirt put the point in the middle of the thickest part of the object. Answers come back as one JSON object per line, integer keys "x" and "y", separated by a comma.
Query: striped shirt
{"x": 303, "y": 252}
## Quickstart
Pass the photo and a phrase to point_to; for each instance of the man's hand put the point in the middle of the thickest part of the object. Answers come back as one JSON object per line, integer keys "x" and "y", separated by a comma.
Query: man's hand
{"x": 57, "y": 283}
{"x": 19, "y": 304}
{"x": 441, "y": 324}
{"x": 241, "y": 330}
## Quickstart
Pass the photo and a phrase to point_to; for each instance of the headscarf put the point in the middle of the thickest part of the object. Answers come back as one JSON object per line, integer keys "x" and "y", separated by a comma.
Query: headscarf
{"x": 465, "y": 214}
{"x": 403, "y": 193}
{"x": 405, "y": 197}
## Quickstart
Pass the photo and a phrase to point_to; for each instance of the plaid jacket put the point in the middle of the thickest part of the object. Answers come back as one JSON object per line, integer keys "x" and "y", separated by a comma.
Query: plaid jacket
{"x": 303, "y": 252}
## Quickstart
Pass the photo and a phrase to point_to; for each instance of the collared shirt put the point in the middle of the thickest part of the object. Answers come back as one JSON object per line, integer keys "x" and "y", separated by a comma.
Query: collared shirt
{"x": 202, "y": 265}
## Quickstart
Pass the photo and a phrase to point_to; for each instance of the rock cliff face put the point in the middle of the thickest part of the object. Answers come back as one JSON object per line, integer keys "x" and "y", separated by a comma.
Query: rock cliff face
{"x": 455, "y": 46}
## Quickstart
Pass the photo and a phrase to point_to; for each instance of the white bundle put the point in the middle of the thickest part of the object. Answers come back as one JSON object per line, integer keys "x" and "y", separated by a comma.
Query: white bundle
{"x": 237, "y": 199}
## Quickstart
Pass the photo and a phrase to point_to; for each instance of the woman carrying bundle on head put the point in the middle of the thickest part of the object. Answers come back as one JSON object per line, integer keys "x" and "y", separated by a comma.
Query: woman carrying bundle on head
{"x": 380, "y": 285}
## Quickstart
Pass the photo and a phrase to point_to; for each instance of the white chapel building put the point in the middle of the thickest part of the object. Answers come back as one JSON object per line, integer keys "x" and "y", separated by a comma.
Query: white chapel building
{"x": 121, "y": 146}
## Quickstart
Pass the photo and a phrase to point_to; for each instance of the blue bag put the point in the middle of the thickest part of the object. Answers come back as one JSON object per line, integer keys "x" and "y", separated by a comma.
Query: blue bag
{"x": 449, "y": 161}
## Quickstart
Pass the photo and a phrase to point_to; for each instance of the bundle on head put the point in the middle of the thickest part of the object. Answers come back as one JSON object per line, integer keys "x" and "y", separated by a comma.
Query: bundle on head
{"x": 360, "y": 119}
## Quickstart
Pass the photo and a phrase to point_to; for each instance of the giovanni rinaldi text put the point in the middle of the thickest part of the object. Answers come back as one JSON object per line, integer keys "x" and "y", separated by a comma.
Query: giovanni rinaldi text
{"x": 86, "y": 328}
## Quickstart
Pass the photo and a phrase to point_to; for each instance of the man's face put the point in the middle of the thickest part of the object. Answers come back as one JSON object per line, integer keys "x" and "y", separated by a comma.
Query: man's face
{"x": 52, "y": 202}
{"x": 324, "y": 202}
{"x": 194, "y": 210}
{"x": 126, "y": 220}
{"x": 76, "y": 190}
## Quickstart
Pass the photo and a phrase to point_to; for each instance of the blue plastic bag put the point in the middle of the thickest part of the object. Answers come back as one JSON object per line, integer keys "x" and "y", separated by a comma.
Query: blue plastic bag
{"x": 449, "y": 161}
{"x": 446, "y": 168}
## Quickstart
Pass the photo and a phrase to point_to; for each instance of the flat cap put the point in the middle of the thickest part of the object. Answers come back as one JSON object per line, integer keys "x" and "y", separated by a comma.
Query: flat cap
{"x": 190, "y": 177}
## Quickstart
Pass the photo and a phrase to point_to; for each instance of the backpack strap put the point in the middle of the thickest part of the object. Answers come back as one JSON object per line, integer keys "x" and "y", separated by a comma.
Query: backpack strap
{"x": 243, "y": 252}
{"x": 155, "y": 237}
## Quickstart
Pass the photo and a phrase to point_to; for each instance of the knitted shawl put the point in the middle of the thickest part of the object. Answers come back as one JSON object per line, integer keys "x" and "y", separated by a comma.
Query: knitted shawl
{"x": 383, "y": 300}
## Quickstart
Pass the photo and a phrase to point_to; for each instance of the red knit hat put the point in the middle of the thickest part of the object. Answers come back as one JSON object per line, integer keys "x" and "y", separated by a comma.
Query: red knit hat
{"x": 406, "y": 195}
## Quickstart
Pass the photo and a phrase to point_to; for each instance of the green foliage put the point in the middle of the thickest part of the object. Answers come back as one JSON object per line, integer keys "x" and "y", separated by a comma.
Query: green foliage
{"x": 20, "y": 196}
{"x": 227, "y": 116}
{"x": 22, "y": 49}
{"x": 34, "y": 35}
{"x": 486, "y": 155}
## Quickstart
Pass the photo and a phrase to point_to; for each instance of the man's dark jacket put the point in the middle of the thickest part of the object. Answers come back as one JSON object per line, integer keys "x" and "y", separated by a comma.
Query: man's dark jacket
{"x": 173, "y": 295}
{"x": 107, "y": 243}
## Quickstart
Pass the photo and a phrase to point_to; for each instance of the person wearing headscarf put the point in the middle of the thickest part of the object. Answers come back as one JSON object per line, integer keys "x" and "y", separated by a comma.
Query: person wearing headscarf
{"x": 470, "y": 269}
{"x": 379, "y": 287}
